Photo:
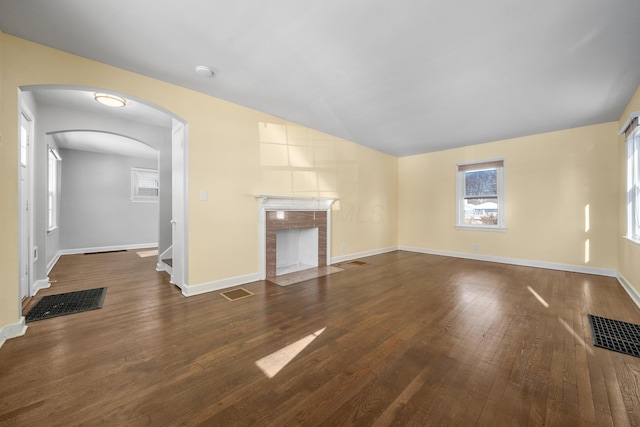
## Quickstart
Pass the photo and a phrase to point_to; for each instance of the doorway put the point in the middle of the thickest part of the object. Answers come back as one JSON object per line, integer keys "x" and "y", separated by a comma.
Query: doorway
{"x": 67, "y": 109}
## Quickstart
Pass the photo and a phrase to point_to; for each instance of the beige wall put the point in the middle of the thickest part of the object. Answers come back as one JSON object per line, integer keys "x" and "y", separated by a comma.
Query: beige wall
{"x": 550, "y": 180}
{"x": 229, "y": 155}
{"x": 8, "y": 210}
{"x": 629, "y": 263}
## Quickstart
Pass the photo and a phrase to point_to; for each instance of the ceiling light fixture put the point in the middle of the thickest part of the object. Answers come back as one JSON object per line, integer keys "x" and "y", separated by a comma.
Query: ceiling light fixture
{"x": 110, "y": 100}
{"x": 204, "y": 71}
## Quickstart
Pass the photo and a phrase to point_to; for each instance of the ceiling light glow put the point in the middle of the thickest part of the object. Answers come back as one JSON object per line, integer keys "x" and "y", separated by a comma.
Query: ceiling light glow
{"x": 110, "y": 100}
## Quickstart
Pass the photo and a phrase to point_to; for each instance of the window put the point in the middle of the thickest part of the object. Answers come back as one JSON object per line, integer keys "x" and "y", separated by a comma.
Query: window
{"x": 144, "y": 185}
{"x": 53, "y": 189}
{"x": 480, "y": 195}
{"x": 633, "y": 186}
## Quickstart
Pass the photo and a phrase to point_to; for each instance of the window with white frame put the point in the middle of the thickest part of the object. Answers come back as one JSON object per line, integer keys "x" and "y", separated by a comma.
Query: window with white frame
{"x": 633, "y": 185}
{"x": 53, "y": 188}
{"x": 144, "y": 185}
{"x": 480, "y": 195}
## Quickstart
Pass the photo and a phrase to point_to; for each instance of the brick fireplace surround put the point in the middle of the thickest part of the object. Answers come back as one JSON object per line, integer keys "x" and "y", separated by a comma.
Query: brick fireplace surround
{"x": 291, "y": 212}
{"x": 286, "y": 220}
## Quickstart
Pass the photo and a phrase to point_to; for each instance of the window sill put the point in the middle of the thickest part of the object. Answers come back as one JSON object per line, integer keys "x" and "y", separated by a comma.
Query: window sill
{"x": 144, "y": 201}
{"x": 476, "y": 228}
{"x": 632, "y": 241}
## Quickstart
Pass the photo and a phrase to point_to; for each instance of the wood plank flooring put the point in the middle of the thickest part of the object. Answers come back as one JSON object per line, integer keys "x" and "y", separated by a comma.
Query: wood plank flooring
{"x": 408, "y": 339}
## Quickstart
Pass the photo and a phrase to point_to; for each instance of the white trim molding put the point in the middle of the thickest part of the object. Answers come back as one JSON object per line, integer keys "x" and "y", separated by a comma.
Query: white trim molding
{"x": 40, "y": 284}
{"x": 274, "y": 203}
{"x": 201, "y": 288}
{"x": 13, "y": 330}
{"x": 344, "y": 258}
{"x": 107, "y": 248}
{"x": 633, "y": 293}
{"x": 161, "y": 266}
{"x": 516, "y": 261}
{"x": 62, "y": 252}
{"x": 53, "y": 262}
{"x": 627, "y": 123}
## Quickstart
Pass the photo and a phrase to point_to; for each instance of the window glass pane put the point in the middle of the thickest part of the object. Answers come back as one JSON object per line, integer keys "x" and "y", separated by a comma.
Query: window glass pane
{"x": 481, "y": 211}
{"x": 481, "y": 183}
{"x": 480, "y": 195}
{"x": 145, "y": 185}
{"x": 636, "y": 222}
{"x": 23, "y": 146}
{"x": 635, "y": 185}
{"x": 52, "y": 190}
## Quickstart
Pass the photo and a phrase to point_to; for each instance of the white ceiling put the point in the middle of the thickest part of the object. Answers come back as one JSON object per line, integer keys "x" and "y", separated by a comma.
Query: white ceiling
{"x": 105, "y": 143}
{"x": 84, "y": 100}
{"x": 99, "y": 141}
{"x": 402, "y": 77}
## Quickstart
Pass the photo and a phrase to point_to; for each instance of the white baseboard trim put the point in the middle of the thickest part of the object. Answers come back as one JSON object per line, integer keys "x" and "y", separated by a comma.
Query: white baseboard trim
{"x": 53, "y": 262}
{"x": 12, "y": 331}
{"x": 40, "y": 284}
{"x": 516, "y": 261}
{"x": 633, "y": 293}
{"x": 107, "y": 248}
{"x": 161, "y": 266}
{"x": 201, "y": 288}
{"x": 61, "y": 252}
{"x": 343, "y": 258}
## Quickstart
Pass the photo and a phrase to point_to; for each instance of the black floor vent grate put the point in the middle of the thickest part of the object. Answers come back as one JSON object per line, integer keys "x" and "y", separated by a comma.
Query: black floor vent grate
{"x": 615, "y": 335}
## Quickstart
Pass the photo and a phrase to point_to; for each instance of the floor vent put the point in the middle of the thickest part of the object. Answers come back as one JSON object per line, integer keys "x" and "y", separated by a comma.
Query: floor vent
{"x": 615, "y": 335}
{"x": 236, "y": 294}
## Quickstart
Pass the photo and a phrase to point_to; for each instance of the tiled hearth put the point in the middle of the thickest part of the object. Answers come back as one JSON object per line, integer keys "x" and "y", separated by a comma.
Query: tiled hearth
{"x": 286, "y": 220}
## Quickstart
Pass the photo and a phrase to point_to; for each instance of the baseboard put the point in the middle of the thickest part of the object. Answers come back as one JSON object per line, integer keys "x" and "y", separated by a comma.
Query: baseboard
{"x": 161, "y": 266}
{"x": 12, "y": 331}
{"x": 343, "y": 258}
{"x": 516, "y": 261}
{"x": 633, "y": 293}
{"x": 107, "y": 248}
{"x": 61, "y": 252}
{"x": 191, "y": 290}
{"x": 53, "y": 262}
{"x": 40, "y": 284}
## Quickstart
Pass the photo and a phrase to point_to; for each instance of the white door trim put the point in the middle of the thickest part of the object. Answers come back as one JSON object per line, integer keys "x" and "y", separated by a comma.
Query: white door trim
{"x": 179, "y": 208}
{"x": 26, "y": 114}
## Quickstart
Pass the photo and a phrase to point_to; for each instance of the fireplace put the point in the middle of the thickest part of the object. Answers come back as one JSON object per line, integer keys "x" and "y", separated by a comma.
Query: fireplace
{"x": 296, "y": 250}
{"x": 294, "y": 234}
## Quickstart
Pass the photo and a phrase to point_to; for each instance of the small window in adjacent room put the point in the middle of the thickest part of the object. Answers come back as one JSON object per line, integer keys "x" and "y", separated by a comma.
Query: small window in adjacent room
{"x": 144, "y": 185}
{"x": 53, "y": 189}
{"x": 480, "y": 195}
{"x": 633, "y": 185}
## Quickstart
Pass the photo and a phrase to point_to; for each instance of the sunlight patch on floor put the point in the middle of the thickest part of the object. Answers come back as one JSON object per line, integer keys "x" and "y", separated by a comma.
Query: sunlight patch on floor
{"x": 538, "y": 297}
{"x": 273, "y": 363}
{"x": 145, "y": 254}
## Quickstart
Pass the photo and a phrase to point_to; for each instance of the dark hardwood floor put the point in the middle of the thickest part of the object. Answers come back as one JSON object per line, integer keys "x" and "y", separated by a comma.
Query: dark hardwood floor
{"x": 408, "y": 339}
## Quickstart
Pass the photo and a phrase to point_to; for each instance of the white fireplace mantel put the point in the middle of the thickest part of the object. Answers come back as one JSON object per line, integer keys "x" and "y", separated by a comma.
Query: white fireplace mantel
{"x": 273, "y": 202}
{"x": 268, "y": 202}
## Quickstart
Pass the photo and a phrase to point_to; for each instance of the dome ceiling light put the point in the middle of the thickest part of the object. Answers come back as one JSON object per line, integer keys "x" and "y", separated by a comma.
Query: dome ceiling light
{"x": 204, "y": 71}
{"x": 110, "y": 100}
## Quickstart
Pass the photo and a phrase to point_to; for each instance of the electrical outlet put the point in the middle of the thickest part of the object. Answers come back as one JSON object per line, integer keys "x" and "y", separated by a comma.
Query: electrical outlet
{"x": 475, "y": 247}
{"x": 343, "y": 247}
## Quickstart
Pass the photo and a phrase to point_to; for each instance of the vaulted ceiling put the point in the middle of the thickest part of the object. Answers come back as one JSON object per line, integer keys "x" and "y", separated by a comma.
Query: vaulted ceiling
{"x": 402, "y": 77}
